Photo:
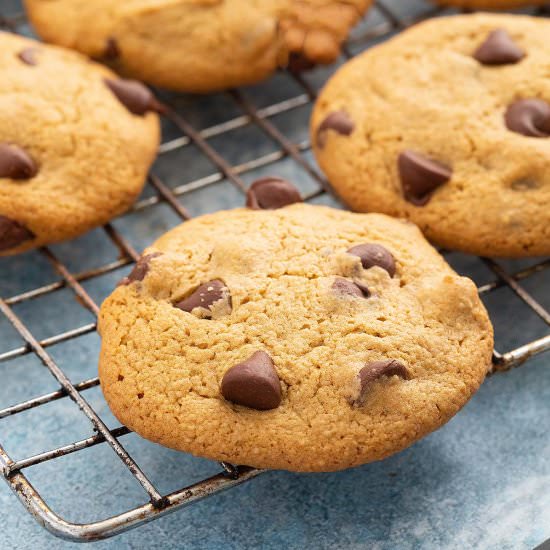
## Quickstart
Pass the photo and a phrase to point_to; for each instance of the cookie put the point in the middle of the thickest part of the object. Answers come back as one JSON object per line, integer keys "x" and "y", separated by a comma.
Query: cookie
{"x": 303, "y": 338}
{"x": 199, "y": 45}
{"x": 75, "y": 143}
{"x": 448, "y": 124}
{"x": 491, "y": 4}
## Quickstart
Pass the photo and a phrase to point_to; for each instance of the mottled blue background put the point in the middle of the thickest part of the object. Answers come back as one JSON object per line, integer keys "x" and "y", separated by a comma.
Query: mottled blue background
{"x": 482, "y": 481}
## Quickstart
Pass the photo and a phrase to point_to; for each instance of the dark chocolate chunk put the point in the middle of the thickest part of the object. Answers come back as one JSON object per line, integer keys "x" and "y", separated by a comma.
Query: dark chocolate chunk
{"x": 348, "y": 288}
{"x": 499, "y": 49}
{"x": 13, "y": 233}
{"x": 339, "y": 121}
{"x": 271, "y": 193}
{"x": 253, "y": 383}
{"x": 28, "y": 56}
{"x": 530, "y": 117}
{"x": 15, "y": 163}
{"x": 111, "y": 51}
{"x": 134, "y": 95}
{"x": 205, "y": 296}
{"x": 372, "y": 254}
{"x": 377, "y": 369}
{"x": 421, "y": 176}
{"x": 140, "y": 269}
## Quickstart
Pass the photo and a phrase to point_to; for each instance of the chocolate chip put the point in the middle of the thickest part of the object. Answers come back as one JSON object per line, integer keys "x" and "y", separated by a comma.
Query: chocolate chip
{"x": 339, "y": 121}
{"x": 134, "y": 95}
{"x": 420, "y": 176}
{"x": 499, "y": 49}
{"x": 15, "y": 163}
{"x": 140, "y": 269}
{"x": 530, "y": 117}
{"x": 372, "y": 254}
{"x": 28, "y": 56}
{"x": 377, "y": 369}
{"x": 205, "y": 296}
{"x": 253, "y": 383}
{"x": 271, "y": 193}
{"x": 13, "y": 233}
{"x": 298, "y": 62}
{"x": 111, "y": 51}
{"x": 348, "y": 288}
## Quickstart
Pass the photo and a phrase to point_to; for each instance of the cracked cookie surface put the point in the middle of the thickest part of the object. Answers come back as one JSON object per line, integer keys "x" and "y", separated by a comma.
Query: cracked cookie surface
{"x": 72, "y": 156}
{"x": 434, "y": 126}
{"x": 320, "y": 351}
{"x": 199, "y": 45}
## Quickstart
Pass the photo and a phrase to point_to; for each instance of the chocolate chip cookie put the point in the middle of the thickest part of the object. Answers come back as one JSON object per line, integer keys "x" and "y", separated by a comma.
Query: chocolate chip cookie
{"x": 301, "y": 338}
{"x": 199, "y": 45}
{"x": 448, "y": 124}
{"x": 75, "y": 143}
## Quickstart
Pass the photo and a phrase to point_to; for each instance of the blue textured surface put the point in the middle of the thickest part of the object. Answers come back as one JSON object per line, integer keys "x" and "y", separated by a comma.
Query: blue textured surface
{"x": 482, "y": 481}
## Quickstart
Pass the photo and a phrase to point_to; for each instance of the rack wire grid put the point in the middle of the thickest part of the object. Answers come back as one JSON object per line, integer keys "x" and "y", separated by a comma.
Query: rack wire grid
{"x": 238, "y": 110}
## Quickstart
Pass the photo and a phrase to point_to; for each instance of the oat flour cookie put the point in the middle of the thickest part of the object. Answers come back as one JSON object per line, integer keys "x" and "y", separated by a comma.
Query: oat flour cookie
{"x": 303, "y": 338}
{"x": 199, "y": 45}
{"x": 72, "y": 154}
{"x": 448, "y": 125}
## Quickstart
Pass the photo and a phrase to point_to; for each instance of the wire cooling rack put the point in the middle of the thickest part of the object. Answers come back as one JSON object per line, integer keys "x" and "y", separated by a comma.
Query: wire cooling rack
{"x": 383, "y": 20}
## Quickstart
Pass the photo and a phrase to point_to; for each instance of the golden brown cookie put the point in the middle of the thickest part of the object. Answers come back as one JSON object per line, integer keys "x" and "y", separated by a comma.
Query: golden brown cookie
{"x": 75, "y": 143}
{"x": 199, "y": 45}
{"x": 448, "y": 124}
{"x": 302, "y": 338}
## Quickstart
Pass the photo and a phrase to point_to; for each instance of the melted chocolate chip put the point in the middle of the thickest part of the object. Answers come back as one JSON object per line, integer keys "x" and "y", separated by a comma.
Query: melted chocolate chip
{"x": 253, "y": 383}
{"x": 15, "y": 163}
{"x": 339, "y": 121}
{"x": 530, "y": 117}
{"x": 13, "y": 233}
{"x": 134, "y": 95}
{"x": 271, "y": 193}
{"x": 28, "y": 56}
{"x": 111, "y": 51}
{"x": 372, "y": 254}
{"x": 373, "y": 371}
{"x": 205, "y": 296}
{"x": 298, "y": 63}
{"x": 348, "y": 288}
{"x": 499, "y": 49}
{"x": 140, "y": 269}
{"x": 421, "y": 176}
